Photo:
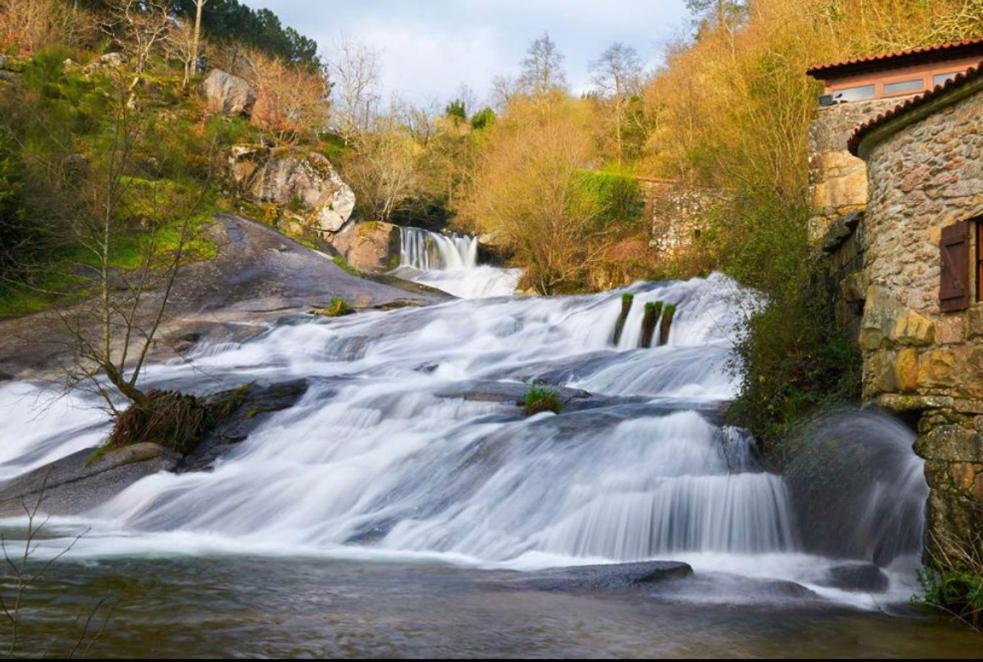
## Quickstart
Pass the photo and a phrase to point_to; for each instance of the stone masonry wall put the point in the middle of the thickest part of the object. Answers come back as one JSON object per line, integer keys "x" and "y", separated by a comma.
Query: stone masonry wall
{"x": 678, "y": 212}
{"x": 927, "y": 176}
{"x": 837, "y": 179}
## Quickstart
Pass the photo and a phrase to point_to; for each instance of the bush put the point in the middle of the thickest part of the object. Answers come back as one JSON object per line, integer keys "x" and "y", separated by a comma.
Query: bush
{"x": 337, "y": 308}
{"x": 540, "y": 399}
{"x": 167, "y": 418}
{"x": 793, "y": 361}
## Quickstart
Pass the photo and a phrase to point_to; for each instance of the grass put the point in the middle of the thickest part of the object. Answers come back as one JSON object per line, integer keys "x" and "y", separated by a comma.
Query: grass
{"x": 67, "y": 278}
{"x": 337, "y": 308}
{"x": 953, "y": 581}
{"x": 540, "y": 399}
{"x": 343, "y": 264}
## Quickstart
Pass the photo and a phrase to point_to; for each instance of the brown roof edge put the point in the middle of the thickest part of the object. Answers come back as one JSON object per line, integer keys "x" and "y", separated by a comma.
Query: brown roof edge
{"x": 865, "y": 129}
{"x": 965, "y": 48}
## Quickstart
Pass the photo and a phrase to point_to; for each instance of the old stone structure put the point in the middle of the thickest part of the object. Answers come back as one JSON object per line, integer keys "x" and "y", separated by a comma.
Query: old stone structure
{"x": 857, "y": 91}
{"x": 837, "y": 178}
{"x": 678, "y": 212}
{"x": 916, "y": 278}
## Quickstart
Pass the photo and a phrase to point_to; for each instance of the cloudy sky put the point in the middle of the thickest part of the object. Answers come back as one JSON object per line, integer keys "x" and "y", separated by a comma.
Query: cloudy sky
{"x": 429, "y": 48}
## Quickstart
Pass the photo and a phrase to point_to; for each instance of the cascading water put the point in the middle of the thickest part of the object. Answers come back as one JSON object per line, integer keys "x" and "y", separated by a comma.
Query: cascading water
{"x": 409, "y": 440}
{"x": 450, "y": 263}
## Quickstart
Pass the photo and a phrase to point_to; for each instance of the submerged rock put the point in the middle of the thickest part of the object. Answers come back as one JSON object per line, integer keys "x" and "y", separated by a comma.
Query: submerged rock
{"x": 91, "y": 477}
{"x": 80, "y": 482}
{"x": 863, "y": 577}
{"x": 605, "y": 577}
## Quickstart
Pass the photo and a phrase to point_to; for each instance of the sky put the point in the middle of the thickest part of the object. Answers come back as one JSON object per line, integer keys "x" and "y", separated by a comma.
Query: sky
{"x": 430, "y": 48}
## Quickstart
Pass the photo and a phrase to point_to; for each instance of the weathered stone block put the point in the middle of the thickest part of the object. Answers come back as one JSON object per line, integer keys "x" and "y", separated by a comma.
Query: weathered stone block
{"x": 974, "y": 321}
{"x": 886, "y": 321}
{"x": 950, "y": 443}
{"x": 906, "y": 370}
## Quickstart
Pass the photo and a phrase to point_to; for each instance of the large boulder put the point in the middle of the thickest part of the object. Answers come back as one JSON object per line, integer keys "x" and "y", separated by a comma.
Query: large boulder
{"x": 227, "y": 94}
{"x": 372, "y": 246}
{"x": 303, "y": 181}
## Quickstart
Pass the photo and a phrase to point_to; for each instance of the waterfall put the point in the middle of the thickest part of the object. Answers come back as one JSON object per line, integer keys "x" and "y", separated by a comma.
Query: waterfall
{"x": 409, "y": 440}
{"x": 450, "y": 263}
{"x": 430, "y": 251}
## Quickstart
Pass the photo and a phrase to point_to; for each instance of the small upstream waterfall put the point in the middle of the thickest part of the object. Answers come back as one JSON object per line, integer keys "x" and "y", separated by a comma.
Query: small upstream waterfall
{"x": 450, "y": 263}
{"x": 410, "y": 441}
{"x": 430, "y": 251}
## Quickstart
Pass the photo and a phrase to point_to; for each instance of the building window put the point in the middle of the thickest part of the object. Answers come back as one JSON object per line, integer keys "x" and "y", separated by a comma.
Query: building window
{"x": 862, "y": 93}
{"x": 942, "y": 79}
{"x": 904, "y": 87}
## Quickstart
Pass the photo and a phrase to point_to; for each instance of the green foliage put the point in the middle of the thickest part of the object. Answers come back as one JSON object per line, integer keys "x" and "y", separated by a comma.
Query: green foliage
{"x": 957, "y": 591}
{"x": 457, "y": 108}
{"x": 483, "y": 119}
{"x": 794, "y": 360}
{"x": 337, "y": 308}
{"x": 14, "y": 234}
{"x": 539, "y": 399}
{"x": 232, "y": 21}
{"x": 616, "y": 198}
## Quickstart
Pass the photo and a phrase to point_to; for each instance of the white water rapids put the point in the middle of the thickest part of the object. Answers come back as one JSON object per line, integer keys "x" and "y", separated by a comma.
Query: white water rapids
{"x": 450, "y": 263}
{"x": 409, "y": 442}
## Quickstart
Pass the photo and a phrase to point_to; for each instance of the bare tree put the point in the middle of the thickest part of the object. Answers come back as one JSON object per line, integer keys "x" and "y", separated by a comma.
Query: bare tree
{"x": 183, "y": 40}
{"x": 617, "y": 79}
{"x": 355, "y": 77}
{"x": 503, "y": 90}
{"x": 112, "y": 334}
{"x": 144, "y": 25}
{"x": 542, "y": 69}
{"x": 385, "y": 169}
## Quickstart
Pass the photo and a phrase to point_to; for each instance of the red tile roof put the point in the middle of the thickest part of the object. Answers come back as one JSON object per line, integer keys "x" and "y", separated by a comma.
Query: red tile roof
{"x": 913, "y": 102}
{"x": 965, "y": 48}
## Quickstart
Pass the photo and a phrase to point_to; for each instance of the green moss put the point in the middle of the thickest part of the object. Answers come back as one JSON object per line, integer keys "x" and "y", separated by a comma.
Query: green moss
{"x": 653, "y": 310}
{"x": 626, "y": 302}
{"x": 341, "y": 262}
{"x": 539, "y": 399}
{"x": 665, "y": 327}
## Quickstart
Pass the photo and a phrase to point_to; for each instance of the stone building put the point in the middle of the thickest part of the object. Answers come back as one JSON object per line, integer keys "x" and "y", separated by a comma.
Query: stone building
{"x": 677, "y": 211}
{"x": 856, "y": 91}
{"x": 912, "y": 265}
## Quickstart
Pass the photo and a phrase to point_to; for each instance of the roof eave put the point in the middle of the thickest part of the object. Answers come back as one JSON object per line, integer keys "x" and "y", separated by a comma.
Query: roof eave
{"x": 877, "y": 134}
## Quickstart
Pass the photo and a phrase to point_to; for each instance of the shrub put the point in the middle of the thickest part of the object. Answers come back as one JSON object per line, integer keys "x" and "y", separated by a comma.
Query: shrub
{"x": 953, "y": 581}
{"x": 540, "y": 399}
{"x": 167, "y": 418}
{"x": 337, "y": 308}
{"x": 793, "y": 361}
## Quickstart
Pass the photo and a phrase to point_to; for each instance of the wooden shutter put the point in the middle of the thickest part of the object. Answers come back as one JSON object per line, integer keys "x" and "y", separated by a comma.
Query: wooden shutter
{"x": 954, "y": 288}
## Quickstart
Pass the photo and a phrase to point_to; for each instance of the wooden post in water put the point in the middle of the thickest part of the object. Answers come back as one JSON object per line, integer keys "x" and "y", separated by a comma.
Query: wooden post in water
{"x": 626, "y": 300}
{"x": 668, "y": 312}
{"x": 651, "y": 318}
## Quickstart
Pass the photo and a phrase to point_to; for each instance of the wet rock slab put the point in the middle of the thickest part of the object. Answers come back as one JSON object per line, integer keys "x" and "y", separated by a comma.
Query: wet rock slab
{"x": 595, "y": 578}
{"x": 73, "y": 484}
{"x": 858, "y": 577}
{"x": 83, "y": 481}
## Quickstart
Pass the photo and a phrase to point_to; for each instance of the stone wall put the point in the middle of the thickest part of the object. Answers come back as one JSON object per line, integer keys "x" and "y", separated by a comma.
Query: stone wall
{"x": 924, "y": 177}
{"x": 678, "y": 212}
{"x": 837, "y": 179}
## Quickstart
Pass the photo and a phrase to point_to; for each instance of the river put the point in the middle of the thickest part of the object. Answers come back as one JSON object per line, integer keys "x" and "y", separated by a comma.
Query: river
{"x": 398, "y": 508}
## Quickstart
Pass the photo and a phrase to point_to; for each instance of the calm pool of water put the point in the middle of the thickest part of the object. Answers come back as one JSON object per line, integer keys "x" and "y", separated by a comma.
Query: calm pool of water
{"x": 302, "y": 607}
